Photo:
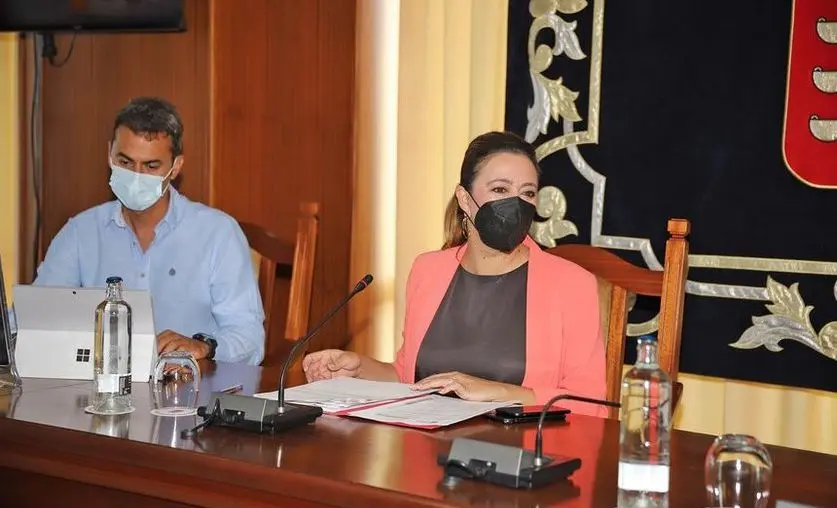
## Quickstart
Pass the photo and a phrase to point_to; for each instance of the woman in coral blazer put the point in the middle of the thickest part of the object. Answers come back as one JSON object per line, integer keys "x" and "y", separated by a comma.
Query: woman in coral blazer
{"x": 491, "y": 316}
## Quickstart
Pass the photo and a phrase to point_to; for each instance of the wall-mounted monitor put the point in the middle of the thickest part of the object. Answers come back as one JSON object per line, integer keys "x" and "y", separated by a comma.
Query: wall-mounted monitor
{"x": 91, "y": 16}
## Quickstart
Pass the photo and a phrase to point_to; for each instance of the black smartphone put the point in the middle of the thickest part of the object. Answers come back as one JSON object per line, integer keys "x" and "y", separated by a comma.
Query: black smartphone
{"x": 526, "y": 414}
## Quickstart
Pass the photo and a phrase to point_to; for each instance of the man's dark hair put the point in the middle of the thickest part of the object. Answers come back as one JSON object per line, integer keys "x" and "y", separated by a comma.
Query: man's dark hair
{"x": 151, "y": 117}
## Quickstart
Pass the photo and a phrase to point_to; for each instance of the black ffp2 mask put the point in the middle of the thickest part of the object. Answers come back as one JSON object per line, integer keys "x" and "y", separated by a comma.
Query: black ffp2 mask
{"x": 503, "y": 223}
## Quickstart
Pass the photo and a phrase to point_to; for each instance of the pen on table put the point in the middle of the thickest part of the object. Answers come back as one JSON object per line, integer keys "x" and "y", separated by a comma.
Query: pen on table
{"x": 233, "y": 389}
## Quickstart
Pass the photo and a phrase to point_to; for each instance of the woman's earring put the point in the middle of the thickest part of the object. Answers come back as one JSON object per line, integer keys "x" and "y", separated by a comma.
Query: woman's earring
{"x": 465, "y": 226}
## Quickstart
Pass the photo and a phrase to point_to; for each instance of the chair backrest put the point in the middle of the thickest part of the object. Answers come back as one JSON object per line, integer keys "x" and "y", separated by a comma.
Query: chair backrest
{"x": 279, "y": 256}
{"x": 617, "y": 279}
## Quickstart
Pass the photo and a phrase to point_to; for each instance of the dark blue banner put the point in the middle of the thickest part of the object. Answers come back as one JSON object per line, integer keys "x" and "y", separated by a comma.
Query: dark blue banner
{"x": 643, "y": 111}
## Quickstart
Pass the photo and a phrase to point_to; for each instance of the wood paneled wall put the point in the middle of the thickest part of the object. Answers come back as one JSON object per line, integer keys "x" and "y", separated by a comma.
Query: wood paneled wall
{"x": 265, "y": 89}
{"x": 283, "y": 90}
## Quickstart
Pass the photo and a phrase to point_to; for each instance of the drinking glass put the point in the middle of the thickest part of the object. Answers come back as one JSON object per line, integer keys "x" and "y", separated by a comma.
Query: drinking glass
{"x": 737, "y": 471}
{"x": 8, "y": 400}
{"x": 111, "y": 425}
{"x": 9, "y": 378}
{"x": 167, "y": 431}
{"x": 177, "y": 379}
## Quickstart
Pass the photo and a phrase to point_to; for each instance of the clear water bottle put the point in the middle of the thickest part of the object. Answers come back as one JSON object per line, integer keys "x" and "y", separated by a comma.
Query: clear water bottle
{"x": 112, "y": 353}
{"x": 645, "y": 429}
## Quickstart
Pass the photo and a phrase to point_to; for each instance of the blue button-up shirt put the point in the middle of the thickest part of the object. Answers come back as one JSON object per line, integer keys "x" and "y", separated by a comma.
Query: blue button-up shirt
{"x": 198, "y": 270}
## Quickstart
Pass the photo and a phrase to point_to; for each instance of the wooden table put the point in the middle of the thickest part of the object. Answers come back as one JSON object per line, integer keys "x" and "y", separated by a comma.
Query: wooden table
{"x": 54, "y": 454}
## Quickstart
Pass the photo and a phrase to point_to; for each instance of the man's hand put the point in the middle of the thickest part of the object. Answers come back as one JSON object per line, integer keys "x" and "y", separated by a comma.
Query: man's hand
{"x": 168, "y": 341}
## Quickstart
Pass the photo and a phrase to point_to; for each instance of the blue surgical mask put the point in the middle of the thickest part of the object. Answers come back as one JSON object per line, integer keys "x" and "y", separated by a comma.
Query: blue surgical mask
{"x": 136, "y": 191}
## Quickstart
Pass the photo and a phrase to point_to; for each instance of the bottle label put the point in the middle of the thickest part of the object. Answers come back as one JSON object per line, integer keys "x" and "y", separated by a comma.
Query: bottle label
{"x": 125, "y": 385}
{"x": 643, "y": 477}
{"x": 107, "y": 383}
{"x": 112, "y": 383}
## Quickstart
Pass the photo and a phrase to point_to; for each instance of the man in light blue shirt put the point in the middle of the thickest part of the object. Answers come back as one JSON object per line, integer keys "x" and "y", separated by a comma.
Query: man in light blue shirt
{"x": 194, "y": 259}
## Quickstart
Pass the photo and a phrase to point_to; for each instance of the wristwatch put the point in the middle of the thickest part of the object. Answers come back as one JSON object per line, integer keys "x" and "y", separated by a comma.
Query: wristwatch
{"x": 207, "y": 339}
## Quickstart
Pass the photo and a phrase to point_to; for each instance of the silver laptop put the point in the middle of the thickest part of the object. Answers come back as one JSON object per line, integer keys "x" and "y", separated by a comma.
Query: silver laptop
{"x": 55, "y": 327}
{"x": 8, "y": 374}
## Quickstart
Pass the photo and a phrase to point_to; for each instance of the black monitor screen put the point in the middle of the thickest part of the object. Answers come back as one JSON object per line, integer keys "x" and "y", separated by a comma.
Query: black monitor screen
{"x": 90, "y": 15}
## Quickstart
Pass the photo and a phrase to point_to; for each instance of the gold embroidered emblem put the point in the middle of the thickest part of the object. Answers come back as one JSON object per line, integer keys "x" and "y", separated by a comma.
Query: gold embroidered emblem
{"x": 551, "y": 205}
{"x": 789, "y": 319}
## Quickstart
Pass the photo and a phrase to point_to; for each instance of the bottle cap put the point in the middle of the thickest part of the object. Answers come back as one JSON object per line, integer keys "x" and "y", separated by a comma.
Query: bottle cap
{"x": 648, "y": 337}
{"x": 113, "y": 280}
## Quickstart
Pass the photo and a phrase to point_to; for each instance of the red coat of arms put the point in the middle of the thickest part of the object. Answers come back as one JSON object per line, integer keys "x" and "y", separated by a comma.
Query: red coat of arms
{"x": 810, "y": 131}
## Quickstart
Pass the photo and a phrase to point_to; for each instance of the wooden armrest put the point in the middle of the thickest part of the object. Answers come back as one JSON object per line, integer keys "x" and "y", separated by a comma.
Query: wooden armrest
{"x": 678, "y": 392}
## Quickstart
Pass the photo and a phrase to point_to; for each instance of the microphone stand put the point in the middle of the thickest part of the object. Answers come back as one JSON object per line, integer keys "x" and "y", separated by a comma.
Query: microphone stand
{"x": 256, "y": 414}
{"x": 291, "y": 415}
{"x": 538, "y": 461}
{"x": 512, "y": 466}
{"x": 303, "y": 341}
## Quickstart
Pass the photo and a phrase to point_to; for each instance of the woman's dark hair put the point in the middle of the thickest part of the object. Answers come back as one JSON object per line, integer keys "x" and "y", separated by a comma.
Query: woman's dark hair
{"x": 482, "y": 148}
{"x": 151, "y": 117}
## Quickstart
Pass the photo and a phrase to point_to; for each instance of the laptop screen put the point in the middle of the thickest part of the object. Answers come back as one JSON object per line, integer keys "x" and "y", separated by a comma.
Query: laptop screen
{"x": 5, "y": 330}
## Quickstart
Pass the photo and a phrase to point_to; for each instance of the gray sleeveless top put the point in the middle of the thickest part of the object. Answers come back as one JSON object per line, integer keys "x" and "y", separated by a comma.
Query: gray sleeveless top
{"x": 479, "y": 328}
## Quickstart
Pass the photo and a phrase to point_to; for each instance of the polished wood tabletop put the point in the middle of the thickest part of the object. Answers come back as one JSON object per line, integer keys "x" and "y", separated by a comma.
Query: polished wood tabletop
{"x": 52, "y": 453}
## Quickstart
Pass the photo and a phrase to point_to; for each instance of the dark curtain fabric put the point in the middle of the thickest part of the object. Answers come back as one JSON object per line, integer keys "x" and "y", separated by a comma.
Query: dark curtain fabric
{"x": 691, "y": 121}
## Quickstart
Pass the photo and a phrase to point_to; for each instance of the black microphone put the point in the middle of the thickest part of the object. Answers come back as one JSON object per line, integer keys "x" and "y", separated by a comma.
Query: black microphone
{"x": 512, "y": 466}
{"x": 255, "y": 414}
{"x": 360, "y": 286}
{"x": 539, "y": 459}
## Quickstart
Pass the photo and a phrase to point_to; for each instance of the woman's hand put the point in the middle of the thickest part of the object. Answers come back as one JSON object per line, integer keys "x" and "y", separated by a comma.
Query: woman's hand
{"x": 331, "y": 363}
{"x": 473, "y": 388}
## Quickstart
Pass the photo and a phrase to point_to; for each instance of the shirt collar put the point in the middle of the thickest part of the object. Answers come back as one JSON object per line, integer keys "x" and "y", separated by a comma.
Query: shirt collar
{"x": 172, "y": 217}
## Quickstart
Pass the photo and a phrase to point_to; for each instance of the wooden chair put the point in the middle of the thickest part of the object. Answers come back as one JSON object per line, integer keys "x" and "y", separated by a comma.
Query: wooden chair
{"x": 277, "y": 256}
{"x": 617, "y": 278}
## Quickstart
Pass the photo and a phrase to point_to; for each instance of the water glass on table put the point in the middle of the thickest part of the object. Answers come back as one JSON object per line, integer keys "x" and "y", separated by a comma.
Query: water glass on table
{"x": 738, "y": 470}
{"x": 177, "y": 379}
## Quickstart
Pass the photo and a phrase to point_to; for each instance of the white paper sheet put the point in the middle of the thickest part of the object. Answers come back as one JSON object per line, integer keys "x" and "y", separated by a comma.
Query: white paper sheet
{"x": 430, "y": 411}
{"x": 344, "y": 393}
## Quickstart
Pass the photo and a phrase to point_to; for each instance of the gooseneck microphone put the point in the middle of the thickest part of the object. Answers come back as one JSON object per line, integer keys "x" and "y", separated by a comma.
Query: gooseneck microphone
{"x": 255, "y": 414}
{"x": 512, "y": 466}
{"x": 538, "y": 461}
{"x": 360, "y": 286}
